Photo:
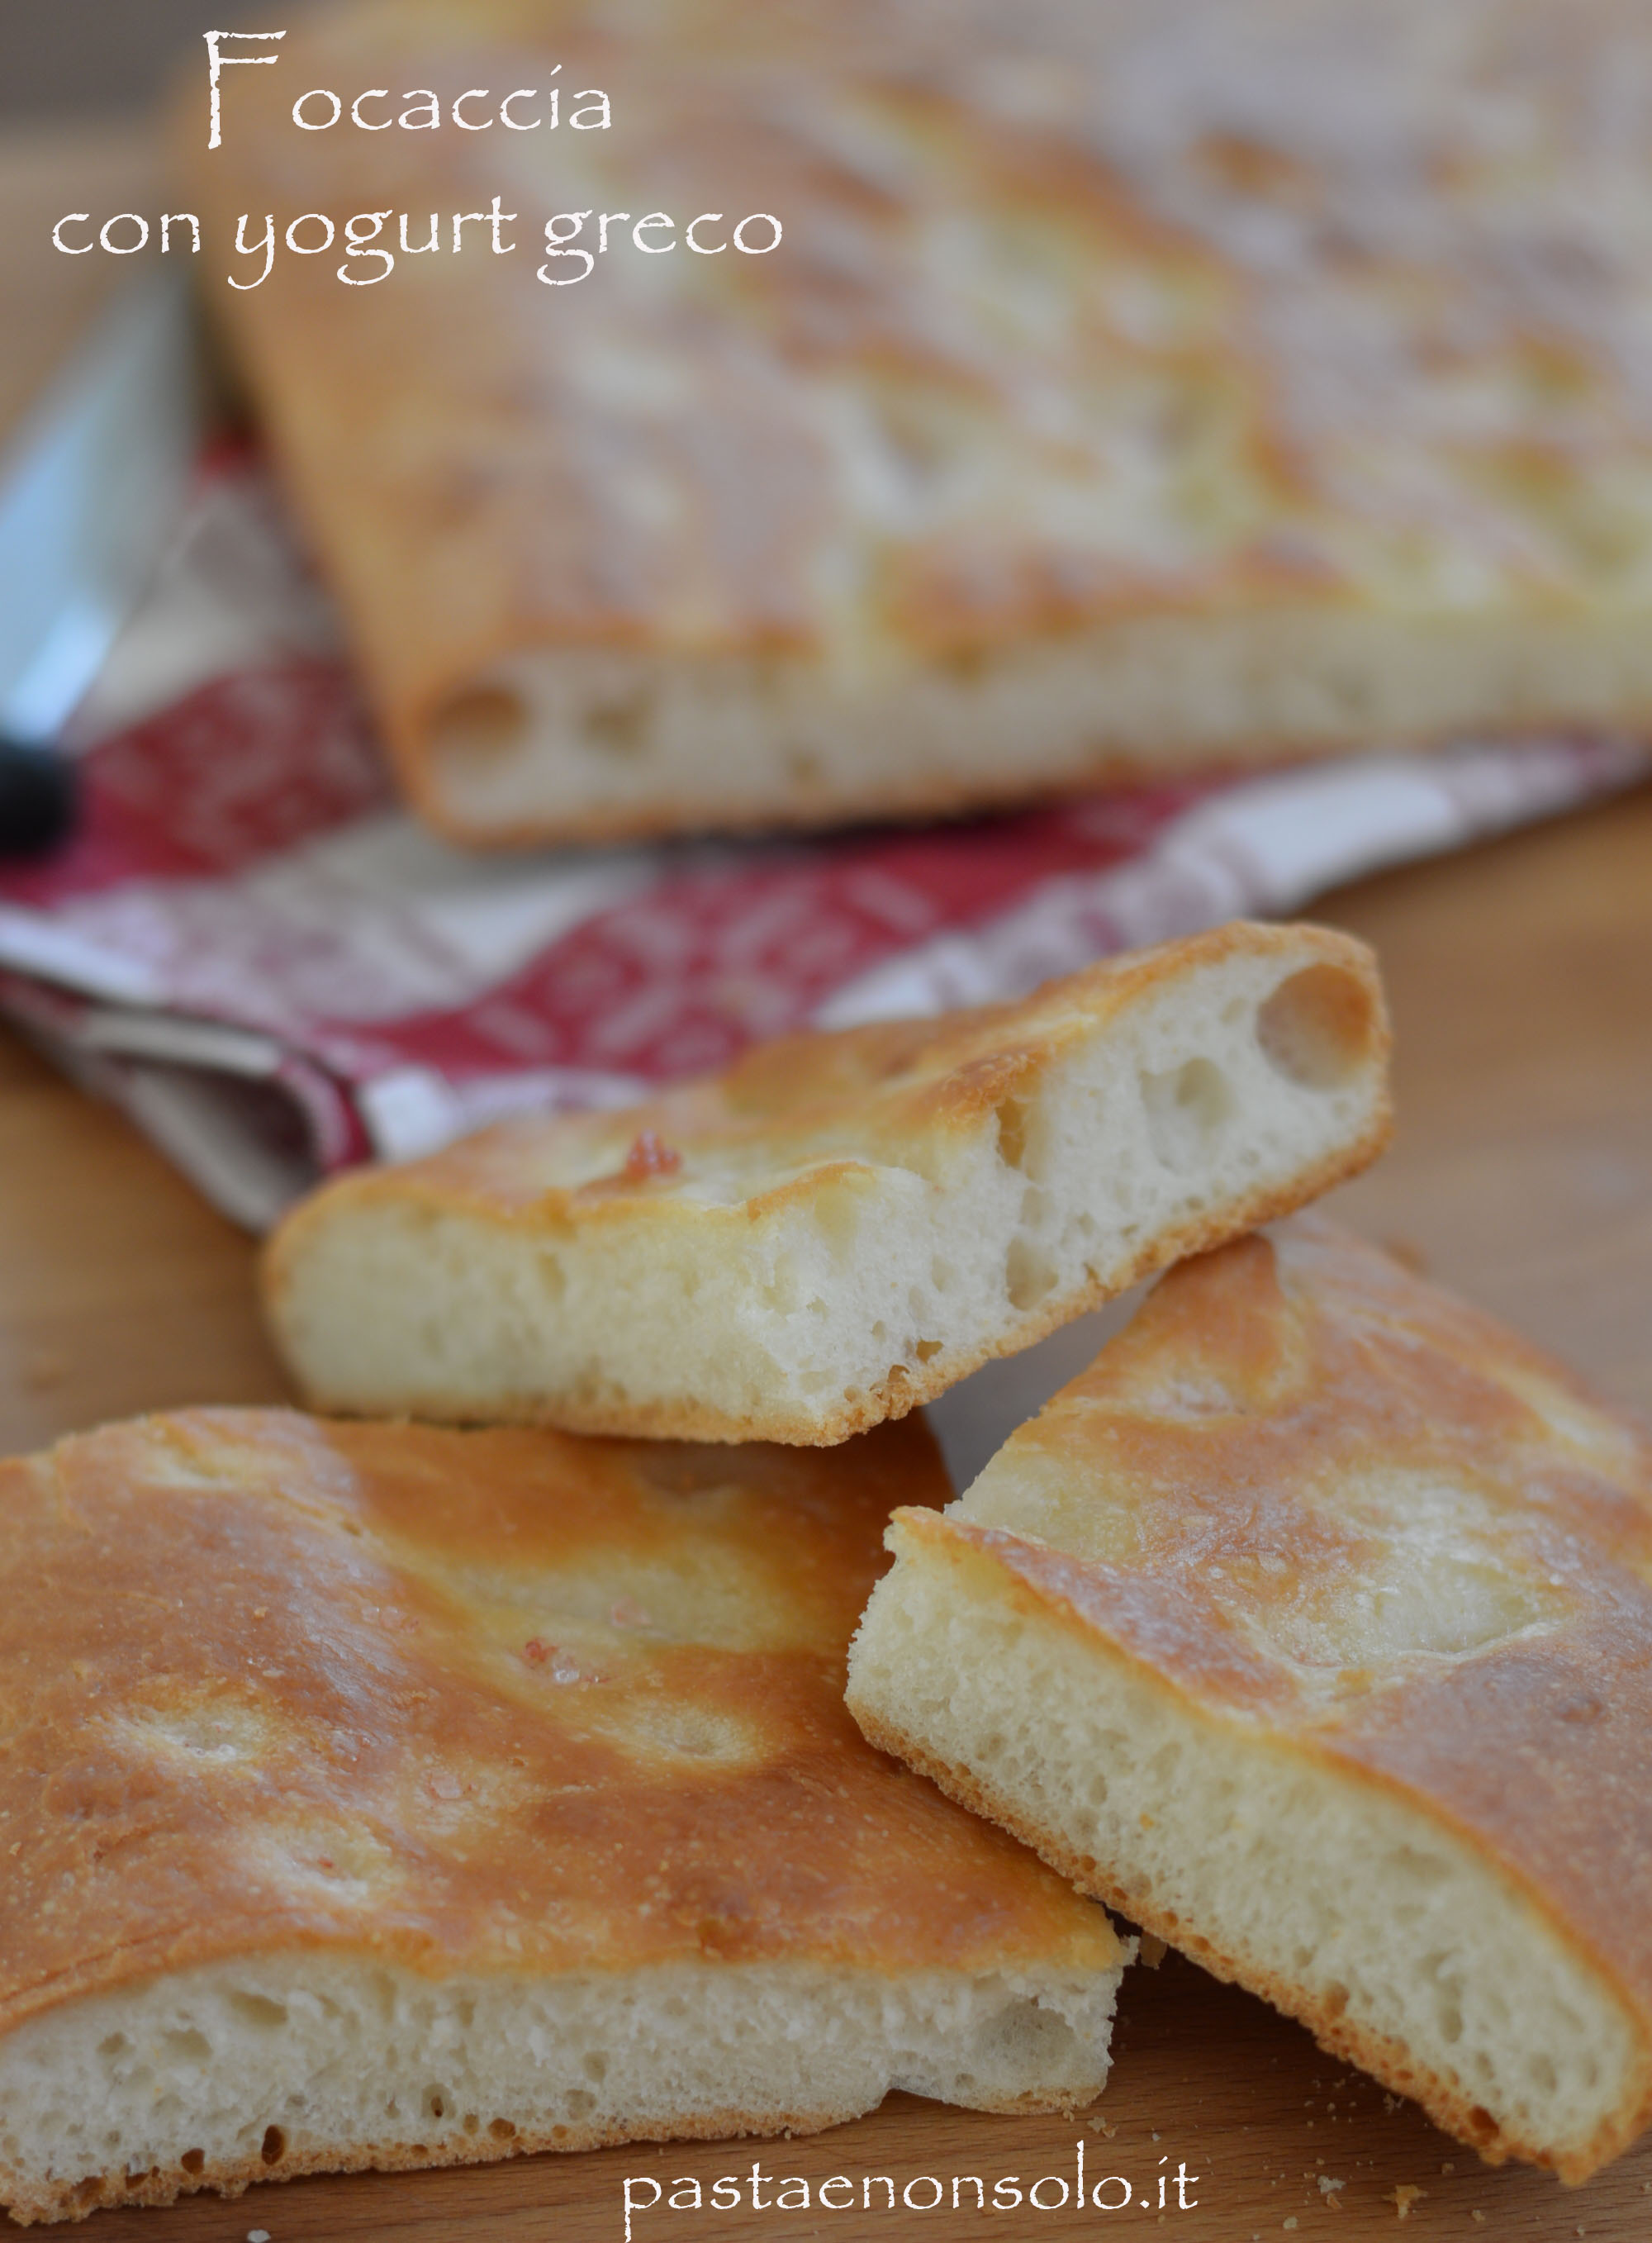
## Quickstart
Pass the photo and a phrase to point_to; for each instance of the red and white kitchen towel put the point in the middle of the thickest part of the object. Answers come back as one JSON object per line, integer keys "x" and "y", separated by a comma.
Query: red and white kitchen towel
{"x": 277, "y": 972}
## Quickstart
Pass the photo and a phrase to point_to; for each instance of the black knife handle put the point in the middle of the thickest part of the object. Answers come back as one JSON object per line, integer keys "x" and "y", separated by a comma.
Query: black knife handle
{"x": 38, "y": 800}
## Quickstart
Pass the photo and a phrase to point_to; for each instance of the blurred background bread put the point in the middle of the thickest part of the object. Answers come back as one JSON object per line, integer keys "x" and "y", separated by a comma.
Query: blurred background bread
{"x": 1135, "y": 388}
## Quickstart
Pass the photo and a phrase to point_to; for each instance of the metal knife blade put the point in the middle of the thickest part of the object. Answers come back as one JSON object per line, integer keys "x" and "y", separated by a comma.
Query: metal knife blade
{"x": 89, "y": 490}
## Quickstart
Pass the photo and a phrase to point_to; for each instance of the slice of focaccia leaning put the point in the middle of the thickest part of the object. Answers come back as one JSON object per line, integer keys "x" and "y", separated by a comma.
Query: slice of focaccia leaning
{"x": 843, "y": 1225}
{"x": 387, "y": 1795}
{"x": 1313, "y": 1627}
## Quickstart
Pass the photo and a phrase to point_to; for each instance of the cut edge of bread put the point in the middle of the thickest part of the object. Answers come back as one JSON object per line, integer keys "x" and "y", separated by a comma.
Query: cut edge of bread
{"x": 1211, "y": 1101}
{"x": 576, "y": 743}
{"x": 1028, "y": 1714}
{"x": 265, "y": 2069}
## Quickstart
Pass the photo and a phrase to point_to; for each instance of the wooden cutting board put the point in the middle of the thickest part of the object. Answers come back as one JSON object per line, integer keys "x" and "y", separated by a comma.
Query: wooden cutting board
{"x": 1522, "y": 981}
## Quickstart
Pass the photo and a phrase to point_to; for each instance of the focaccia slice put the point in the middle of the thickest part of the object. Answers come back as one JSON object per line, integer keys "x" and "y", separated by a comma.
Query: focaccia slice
{"x": 1131, "y": 388}
{"x": 1313, "y": 1627}
{"x": 843, "y": 1225}
{"x": 384, "y": 1795}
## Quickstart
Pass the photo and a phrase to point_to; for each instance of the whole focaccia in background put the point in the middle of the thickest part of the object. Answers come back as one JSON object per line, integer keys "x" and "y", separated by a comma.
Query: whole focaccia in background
{"x": 843, "y": 1225}
{"x": 378, "y": 1796}
{"x": 1137, "y": 384}
{"x": 1312, "y": 1627}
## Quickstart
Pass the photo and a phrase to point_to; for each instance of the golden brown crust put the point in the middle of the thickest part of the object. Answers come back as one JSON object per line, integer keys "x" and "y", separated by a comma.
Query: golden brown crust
{"x": 812, "y": 1114}
{"x": 457, "y": 1700}
{"x": 1306, "y": 1490}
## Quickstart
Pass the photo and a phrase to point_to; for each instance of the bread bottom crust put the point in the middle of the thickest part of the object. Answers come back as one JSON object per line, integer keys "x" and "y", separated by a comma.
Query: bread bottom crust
{"x": 232, "y": 2177}
{"x": 78, "y": 2201}
{"x": 266, "y": 2068}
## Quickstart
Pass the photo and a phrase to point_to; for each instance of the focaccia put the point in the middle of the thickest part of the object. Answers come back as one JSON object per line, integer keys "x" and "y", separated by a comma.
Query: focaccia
{"x": 1136, "y": 385}
{"x": 1313, "y": 1627}
{"x": 379, "y": 1795}
{"x": 844, "y": 1224}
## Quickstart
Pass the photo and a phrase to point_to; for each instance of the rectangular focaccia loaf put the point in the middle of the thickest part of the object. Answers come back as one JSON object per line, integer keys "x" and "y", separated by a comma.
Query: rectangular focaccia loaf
{"x": 843, "y": 1224}
{"x": 1134, "y": 387}
{"x": 1312, "y": 1626}
{"x": 378, "y": 1796}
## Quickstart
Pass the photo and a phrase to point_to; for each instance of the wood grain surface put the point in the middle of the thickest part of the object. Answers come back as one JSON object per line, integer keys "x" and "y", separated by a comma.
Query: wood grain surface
{"x": 1521, "y": 981}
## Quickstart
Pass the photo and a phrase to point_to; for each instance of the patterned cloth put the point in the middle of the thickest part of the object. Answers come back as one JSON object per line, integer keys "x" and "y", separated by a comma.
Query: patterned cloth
{"x": 277, "y": 972}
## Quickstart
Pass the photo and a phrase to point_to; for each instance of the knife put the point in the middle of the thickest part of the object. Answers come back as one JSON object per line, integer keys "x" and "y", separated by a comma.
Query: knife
{"x": 89, "y": 490}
